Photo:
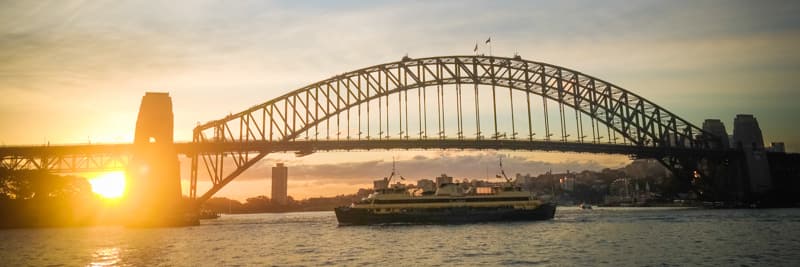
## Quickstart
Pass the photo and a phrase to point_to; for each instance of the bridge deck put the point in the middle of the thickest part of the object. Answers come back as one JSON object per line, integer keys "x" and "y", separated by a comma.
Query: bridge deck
{"x": 309, "y": 146}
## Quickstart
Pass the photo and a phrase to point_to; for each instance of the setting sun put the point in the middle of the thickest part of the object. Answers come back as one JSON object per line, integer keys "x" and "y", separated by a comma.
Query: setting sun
{"x": 109, "y": 185}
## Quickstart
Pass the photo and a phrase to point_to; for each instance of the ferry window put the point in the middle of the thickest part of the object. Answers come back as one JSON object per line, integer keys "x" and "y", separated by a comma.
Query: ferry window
{"x": 483, "y": 190}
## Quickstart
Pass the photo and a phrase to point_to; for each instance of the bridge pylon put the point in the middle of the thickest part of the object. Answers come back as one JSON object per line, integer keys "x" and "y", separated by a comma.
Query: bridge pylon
{"x": 154, "y": 187}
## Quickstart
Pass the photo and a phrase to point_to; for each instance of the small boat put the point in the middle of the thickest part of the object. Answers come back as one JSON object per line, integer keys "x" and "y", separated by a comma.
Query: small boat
{"x": 205, "y": 214}
{"x": 585, "y": 206}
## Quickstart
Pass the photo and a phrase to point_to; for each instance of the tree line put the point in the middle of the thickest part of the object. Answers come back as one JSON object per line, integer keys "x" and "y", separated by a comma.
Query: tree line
{"x": 35, "y": 198}
{"x": 261, "y": 204}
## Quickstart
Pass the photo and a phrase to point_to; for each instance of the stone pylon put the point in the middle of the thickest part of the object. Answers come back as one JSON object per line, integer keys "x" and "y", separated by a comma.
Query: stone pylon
{"x": 747, "y": 137}
{"x": 154, "y": 188}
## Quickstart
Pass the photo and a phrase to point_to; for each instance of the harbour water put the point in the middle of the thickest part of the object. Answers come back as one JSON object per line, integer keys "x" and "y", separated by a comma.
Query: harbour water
{"x": 603, "y": 236}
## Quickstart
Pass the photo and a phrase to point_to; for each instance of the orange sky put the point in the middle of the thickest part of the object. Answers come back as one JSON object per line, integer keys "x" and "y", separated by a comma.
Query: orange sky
{"x": 332, "y": 173}
{"x": 75, "y": 71}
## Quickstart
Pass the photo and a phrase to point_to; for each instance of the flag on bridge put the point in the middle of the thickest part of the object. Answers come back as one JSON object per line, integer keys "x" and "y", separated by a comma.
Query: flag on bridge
{"x": 489, "y": 40}
{"x": 476, "y": 48}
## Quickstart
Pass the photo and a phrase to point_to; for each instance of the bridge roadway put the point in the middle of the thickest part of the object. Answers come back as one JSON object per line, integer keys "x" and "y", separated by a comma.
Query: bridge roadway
{"x": 14, "y": 157}
{"x": 306, "y": 147}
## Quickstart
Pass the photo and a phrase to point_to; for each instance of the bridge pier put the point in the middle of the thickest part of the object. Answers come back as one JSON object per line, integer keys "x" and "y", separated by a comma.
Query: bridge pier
{"x": 714, "y": 177}
{"x": 722, "y": 179}
{"x": 154, "y": 187}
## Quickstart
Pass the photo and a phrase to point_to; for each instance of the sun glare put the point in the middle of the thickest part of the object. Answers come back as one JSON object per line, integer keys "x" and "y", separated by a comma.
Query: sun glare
{"x": 109, "y": 185}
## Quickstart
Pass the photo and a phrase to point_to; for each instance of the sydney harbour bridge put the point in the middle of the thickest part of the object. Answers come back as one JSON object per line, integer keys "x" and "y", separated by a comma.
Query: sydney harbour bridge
{"x": 448, "y": 102}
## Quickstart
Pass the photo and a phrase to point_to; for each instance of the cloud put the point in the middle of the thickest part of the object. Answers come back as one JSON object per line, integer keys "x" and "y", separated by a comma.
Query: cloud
{"x": 333, "y": 173}
{"x": 459, "y": 165}
{"x": 220, "y": 57}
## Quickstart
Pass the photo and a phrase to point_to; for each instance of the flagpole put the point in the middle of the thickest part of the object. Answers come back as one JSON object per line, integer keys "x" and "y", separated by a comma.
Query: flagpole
{"x": 489, "y": 41}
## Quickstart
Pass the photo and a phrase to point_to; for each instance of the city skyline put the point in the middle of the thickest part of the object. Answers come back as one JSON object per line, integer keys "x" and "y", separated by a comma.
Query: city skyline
{"x": 74, "y": 71}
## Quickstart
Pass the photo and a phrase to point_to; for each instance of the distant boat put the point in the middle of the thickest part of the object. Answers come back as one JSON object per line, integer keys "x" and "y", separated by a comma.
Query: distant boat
{"x": 207, "y": 214}
{"x": 585, "y": 206}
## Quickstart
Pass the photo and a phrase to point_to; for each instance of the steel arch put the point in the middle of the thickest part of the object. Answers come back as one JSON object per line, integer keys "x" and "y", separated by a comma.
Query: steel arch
{"x": 285, "y": 118}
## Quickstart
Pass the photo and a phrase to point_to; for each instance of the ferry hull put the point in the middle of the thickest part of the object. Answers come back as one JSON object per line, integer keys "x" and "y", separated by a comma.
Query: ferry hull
{"x": 459, "y": 215}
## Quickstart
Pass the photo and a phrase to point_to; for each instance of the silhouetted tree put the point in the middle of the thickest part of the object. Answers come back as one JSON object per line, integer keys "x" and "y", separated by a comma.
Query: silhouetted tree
{"x": 37, "y": 198}
{"x": 30, "y": 184}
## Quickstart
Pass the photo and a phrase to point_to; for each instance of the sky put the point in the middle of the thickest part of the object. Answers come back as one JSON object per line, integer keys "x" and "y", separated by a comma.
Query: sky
{"x": 75, "y": 71}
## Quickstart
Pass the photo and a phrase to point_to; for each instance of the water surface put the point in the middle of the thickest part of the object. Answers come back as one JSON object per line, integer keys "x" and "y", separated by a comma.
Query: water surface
{"x": 603, "y": 236}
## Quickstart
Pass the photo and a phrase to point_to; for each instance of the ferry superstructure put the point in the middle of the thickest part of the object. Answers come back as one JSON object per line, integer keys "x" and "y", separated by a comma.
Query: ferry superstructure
{"x": 444, "y": 202}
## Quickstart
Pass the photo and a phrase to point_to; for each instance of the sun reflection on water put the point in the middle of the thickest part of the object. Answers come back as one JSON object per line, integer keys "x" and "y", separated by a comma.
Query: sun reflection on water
{"x": 106, "y": 257}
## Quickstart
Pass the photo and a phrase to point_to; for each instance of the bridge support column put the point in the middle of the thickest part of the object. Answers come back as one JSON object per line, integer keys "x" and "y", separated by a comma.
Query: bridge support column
{"x": 713, "y": 178}
{"x": 721, "y": 180}
{"x": 154, "y": 197}
{"x": 695, "y": 173}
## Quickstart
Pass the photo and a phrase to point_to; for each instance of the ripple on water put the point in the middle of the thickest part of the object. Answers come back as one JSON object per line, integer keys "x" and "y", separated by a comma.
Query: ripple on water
{"x": 523, "y": 262}
{"x": 642, "y": 237}
{"x": 106, "y": 257}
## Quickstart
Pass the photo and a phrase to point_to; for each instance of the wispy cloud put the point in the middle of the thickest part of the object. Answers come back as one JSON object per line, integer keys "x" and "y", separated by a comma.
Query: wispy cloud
{"x": 460, "y": 166}
{"x": 428, "y": 165}
{"x": 316, "y": 176}
{"x": 218, "y": 57}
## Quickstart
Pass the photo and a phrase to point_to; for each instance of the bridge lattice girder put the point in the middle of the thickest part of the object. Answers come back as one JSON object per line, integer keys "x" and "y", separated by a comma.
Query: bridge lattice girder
{"x": 286, "y": 118}
{"x": 66, "y": 158}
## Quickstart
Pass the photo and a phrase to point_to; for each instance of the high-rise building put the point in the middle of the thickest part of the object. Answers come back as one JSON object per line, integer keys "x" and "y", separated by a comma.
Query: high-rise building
{"x": 747, "y": 137}
{"x": 716, "y": 127}
{"x": 280, "y": 175}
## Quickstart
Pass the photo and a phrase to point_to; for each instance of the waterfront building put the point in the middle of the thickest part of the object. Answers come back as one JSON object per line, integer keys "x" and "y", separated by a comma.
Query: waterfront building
{"x": 567, "y": 183}
{"x": 280, "y": 175}
{"x": 444, "y": 179}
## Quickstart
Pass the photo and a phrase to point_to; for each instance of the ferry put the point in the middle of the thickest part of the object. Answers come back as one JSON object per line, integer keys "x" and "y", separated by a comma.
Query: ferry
{"x": 444, "y": 202}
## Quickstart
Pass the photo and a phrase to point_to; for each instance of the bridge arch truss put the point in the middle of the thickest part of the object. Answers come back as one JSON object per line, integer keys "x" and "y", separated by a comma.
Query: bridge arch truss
{"x": 451, "y": 98}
